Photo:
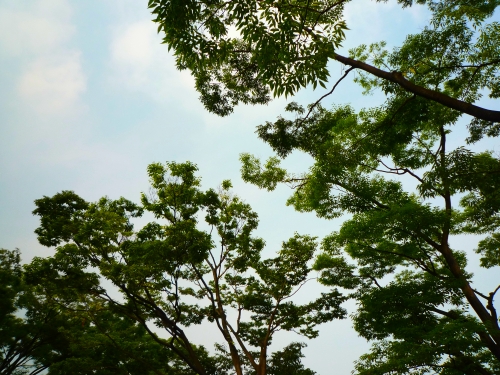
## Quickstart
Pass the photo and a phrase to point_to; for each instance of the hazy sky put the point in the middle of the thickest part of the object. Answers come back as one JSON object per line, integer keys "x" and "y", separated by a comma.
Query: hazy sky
{"x": 89, "y": 97}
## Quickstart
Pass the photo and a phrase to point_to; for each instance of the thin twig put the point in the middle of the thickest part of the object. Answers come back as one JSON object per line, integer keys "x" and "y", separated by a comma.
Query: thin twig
{"x": 327, "y": 94}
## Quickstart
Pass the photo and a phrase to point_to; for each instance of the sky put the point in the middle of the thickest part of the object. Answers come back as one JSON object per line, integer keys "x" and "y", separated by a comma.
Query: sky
{"x": 89, "y": 97}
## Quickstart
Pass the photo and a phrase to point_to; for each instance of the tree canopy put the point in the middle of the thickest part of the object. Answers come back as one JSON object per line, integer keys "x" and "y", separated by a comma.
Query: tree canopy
{"x": 416, "y": 299}
{"x": 244, "y": 51}
{"x": 174, "y": 273}
{"x": 38, "y": 334}
{"x": 410, "y": 175}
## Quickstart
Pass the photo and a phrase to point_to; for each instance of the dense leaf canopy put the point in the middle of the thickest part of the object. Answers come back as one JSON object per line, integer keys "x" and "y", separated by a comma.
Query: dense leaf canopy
{"x": 172, "y": 274}
{"x": 409, "y": 175}
{"x": 408, "y": 190}
{"x": 242, "y": 51}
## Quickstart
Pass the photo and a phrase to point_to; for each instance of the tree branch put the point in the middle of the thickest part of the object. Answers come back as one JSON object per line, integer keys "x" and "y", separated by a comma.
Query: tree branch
{"x": 436, "y": 96}
{"x": 327, "y": 94}
{"x": 490, "y": 306}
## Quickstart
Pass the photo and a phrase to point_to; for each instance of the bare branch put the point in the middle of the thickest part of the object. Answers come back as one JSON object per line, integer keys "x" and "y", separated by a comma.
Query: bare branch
{"x": 314, "y": 105}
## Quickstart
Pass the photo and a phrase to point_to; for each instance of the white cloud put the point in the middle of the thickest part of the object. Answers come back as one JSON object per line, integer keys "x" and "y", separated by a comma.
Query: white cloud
{"x": 139, "y": 62}
{"x": 132, "y": 53}
{"x": 367, "y": 21}
{"x": 134, "y": 45}
{"x": 37, "y": 35}
{"x": 52, "y": 85}
{"x": 34, "y": 27}
{"x": 372, "y": 21}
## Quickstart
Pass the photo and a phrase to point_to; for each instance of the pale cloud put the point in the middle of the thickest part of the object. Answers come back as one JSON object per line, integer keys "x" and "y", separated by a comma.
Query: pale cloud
{"x": 34, "y": 27}
{"x": 420, "y": 14}
{"x": 38, "y": 33}
{"x": 132, "y": 53}
{"x": 366, "y": 20}
{"x": 371, "y": 21}
{"x": 52, "y": 85}
{"x": 139, "y": 62}
{"x": 134, "y": 45}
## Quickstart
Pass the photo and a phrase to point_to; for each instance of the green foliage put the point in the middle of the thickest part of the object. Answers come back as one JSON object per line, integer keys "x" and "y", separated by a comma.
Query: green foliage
{"x": 288, "y": 361}
{"x": 396, "y": 233}
{"x": 174, "y": 273}
{"x": 99, "y": 296}
{"x": 447, "y": 56}
{"x": 29, "y": 337}
{"x": 241, "y": 51}
{"x": 51, "y": 234}
{"x": 266, "y": 178}
{"x": 406, "y": 191}
{"x": 102, "y": 342}
{"x": 36, "y": 335}
{"x": 489, "y": 248}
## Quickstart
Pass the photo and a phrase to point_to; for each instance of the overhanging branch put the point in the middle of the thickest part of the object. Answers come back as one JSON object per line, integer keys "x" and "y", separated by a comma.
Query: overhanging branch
{"x": 438, "y": 97}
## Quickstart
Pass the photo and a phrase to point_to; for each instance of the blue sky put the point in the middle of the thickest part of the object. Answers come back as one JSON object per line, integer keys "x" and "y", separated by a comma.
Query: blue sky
{"x": 89, "y": 97}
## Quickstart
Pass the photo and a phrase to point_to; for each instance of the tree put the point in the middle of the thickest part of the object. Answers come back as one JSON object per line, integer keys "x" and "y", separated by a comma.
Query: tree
{"x": 287, "y": 361}
{"x": 415, "y": 297}
{"x": 172, "y": 273}
{"x": 241, "y": 51}
{"x": 24, "y": 341}
{"x": 37, "y": 336}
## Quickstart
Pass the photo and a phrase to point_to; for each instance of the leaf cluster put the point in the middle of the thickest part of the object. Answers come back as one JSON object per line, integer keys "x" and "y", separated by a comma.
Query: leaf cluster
{"x": 242, "y": 51}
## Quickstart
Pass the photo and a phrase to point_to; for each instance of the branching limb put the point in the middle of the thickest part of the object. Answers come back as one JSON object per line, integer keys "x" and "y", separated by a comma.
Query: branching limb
{"x": 490, "y": 306}
{"x": 243, "y": 347}
{"x": 374, "y": 281}
{"x": 315, "y": 104}
{"x": 436, "y": 96}
{"x": 300, "y": 286}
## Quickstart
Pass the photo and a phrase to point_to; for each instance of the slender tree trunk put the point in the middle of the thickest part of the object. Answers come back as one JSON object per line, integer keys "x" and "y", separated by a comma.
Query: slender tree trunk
{"x": 235, "y": 357}
{"x": 491, "y": 340}
{"x": 263, "y": 360}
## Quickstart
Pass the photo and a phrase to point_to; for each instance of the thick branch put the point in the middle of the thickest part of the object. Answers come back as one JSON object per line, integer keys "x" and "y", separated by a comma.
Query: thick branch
{"x": 225, "y": 330}
{"x": 492, "y": 308}
{"x": 448, "y": 101}
{"x": 243, "y": 347}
